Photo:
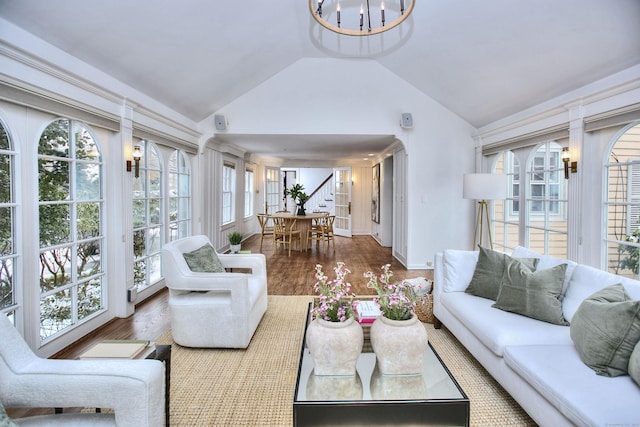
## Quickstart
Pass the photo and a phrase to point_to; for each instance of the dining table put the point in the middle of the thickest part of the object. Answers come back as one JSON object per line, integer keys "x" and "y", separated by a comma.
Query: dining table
{"x": 303, "y": 223}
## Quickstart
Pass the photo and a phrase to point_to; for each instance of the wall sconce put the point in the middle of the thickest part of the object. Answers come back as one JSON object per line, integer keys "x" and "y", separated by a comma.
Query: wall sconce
{"x": 137, "y": 155}
{"x": 566, "y": 159}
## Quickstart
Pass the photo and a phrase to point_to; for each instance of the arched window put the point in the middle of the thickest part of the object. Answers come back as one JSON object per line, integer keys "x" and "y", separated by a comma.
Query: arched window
{"x": 147, "y": 218}
{"x": 622, "y": 204}
{"x": 71, "y": 208}
{"x": 506, "y": 213}
{"x": 8, "y": 297}
{"x": 546, "y": 203}
{"x": 179, "y": 196}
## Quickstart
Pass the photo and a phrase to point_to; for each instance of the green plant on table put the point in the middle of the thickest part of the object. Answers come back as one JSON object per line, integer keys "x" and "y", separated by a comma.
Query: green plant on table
{"x": 235, "y": 238}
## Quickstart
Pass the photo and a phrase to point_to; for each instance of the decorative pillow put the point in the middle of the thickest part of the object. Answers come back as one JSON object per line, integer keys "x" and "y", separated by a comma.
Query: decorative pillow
{"x": 204, "y": 260}
{"x": 489, "y": 270}
{"x": 458, "y": 269}
{"x": 605, "y": 330}
{"x": 634, "y": 364}
{"x": 5, "y": 421}
{"x": 534, "y": 294}
{"x": 547, "y": 261}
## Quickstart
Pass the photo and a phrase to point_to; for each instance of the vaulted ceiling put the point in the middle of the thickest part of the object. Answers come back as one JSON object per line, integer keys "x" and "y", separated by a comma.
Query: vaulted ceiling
{"x": 482, "y": 59}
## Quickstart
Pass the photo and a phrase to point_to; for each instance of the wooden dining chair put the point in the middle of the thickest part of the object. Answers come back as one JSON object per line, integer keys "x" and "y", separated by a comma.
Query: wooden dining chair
{"x": 285, "y": 233}
{"x": 266, "y": 227}
{"x": 327, "y": 232}
{"x": 317, "y": 231}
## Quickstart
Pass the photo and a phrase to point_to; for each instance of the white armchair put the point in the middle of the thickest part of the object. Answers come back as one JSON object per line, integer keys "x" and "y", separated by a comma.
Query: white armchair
{"x": 214, "y": 309}
{"x": 134, "y": 389}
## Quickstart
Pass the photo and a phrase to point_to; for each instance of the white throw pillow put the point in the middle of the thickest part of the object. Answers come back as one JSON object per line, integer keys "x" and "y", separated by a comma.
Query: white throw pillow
{"x": 458, "y": 269}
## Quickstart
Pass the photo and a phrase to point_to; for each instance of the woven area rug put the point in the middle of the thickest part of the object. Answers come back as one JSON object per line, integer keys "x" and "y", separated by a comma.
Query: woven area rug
{"x": 216, "y": 387}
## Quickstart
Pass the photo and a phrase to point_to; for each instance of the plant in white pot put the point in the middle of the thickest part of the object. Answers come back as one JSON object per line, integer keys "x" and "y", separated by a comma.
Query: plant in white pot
{"x": 235, "y": 240}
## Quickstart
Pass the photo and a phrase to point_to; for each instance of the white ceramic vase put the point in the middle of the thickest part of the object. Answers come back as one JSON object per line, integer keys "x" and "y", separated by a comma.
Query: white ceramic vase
{"x": 334, "y": 346}
{"x": 235, "y": 248}
{"x": 400, "y": 345}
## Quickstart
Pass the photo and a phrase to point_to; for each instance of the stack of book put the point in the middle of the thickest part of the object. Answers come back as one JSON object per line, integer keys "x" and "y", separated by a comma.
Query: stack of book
{"x": 120, "y": 349}
{"x": 367, "y": 312}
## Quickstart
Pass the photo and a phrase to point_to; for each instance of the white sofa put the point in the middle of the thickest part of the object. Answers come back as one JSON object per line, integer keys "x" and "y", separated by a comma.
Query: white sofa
{"x": 534, "y": 361}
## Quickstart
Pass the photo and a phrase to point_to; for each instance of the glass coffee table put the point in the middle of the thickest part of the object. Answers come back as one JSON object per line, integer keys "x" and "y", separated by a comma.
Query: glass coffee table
{"x": 370, "y": 398}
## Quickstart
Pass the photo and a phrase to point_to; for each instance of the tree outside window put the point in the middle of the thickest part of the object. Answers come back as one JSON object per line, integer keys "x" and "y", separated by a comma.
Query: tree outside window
{"x": 179, "y": 196}
{"x": 70, "y": 226}
{"x": 622, "y": 205}
{"x": 147, "y": 218}
{"x": 7, "y": 225}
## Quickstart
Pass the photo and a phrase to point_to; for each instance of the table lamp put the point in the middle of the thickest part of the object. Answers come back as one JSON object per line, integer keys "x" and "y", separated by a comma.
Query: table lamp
{"x": 483, "y": 187}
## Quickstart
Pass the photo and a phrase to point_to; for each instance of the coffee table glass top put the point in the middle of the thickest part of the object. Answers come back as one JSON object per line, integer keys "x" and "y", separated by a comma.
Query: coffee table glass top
{"x": 435, "y": 389}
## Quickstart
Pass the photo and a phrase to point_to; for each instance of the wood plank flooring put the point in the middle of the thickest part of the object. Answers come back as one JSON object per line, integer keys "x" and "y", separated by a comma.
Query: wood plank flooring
{"x": 286, "y": 275}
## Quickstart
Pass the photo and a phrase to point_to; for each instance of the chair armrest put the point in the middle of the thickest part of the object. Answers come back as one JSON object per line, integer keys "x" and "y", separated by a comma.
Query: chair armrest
{"x": 256, "y": 262}
{"x": 133, "y": 388}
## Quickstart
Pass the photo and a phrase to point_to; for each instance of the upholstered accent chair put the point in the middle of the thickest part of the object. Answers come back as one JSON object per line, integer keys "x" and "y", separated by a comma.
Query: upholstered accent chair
{"x": 214, "y": 309}
{"x": 134, "y": 389}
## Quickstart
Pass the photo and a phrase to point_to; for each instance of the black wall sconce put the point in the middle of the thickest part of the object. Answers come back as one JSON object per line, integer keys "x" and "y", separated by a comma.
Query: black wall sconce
{"x": 137, "y": 155}
{"x": 568, "y": 164}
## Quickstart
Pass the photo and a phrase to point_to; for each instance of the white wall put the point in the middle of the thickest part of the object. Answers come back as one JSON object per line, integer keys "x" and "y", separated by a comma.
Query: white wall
{"x": 363, "y": 97}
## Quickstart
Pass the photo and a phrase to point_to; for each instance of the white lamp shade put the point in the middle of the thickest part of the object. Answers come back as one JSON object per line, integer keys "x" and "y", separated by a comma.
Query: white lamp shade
{"x": 484, "y": 186}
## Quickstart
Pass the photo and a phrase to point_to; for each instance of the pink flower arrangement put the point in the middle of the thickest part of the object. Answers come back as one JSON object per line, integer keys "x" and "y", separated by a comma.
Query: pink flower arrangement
{"x": 396, "y": 301}
{"x": 335, "y": 297}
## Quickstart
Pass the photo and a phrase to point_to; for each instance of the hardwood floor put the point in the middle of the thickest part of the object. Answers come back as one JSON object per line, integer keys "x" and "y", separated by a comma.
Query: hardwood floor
{"x": 286, "y": 275}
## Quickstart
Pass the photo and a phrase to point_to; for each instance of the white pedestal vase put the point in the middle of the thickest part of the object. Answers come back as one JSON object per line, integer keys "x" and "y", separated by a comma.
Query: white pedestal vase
{"x": 400, "y": 345}
{"x": 334, "y": 346}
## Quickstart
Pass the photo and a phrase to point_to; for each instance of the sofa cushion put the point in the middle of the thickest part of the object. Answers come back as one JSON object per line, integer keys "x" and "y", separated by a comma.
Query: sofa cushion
{"x": 458, "y": 269}
{"x": 488, "y": 272}
{"x": 634, "y": 364}
{"x": 605, "y": 330}
{"x": 547, "y": 261}
{"x": 497, "y": 329}
{"x": 534, "y": 294}
{"x": 204, "y": 260}
{"x": 556, "y": 372}
{"x": 587, "y": 280}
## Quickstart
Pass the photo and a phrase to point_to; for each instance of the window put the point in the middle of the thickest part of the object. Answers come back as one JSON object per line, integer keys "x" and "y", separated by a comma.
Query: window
{"x": 622, "y": 204}
{"x": 228, "y": 192}
{"x": 272, "y": 190}
{"x": 546, "y": 222}
{"x": 147, "y": 218}
{"x": 248, "y": 193}
{"x": 506, "y": 220}
{"x": 70, "y": 226}
{"x": 8, "y": 302}
{"x": 179, "y": 196}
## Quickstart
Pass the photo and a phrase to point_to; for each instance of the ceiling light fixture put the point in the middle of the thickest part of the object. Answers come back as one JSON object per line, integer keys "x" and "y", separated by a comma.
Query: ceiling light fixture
{"x": 343, "y": 18}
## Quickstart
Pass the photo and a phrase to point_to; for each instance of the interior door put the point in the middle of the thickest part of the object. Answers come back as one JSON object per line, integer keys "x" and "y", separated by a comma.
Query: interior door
{"x": 342, "y": 194}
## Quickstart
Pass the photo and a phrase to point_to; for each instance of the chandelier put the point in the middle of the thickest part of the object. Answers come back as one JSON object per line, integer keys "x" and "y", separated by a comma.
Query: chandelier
{"x": 374, "y": 17}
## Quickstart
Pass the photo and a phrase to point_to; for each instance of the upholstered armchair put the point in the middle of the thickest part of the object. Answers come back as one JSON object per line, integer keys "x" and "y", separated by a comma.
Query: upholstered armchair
{"x": 134, "y": 389}
{"x": 214, "y": 309}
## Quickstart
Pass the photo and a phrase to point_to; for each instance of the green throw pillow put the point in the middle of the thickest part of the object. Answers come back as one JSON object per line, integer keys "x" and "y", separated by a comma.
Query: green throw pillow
{"x": 634, "y": 364}
{"x": 5, "y": 421}
{"x": 204, "y": 260}
{"x": 605, "y": 330}
{"x": 534, "y": 294}
{"x": 489, "y": 270}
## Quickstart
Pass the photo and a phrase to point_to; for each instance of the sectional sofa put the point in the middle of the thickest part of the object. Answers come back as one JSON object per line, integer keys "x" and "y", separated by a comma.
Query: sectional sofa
{"x": 536, "y": 361}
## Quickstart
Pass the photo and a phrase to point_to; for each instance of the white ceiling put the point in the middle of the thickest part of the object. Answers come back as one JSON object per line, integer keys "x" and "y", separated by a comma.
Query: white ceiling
{"x": 482, "y": 59}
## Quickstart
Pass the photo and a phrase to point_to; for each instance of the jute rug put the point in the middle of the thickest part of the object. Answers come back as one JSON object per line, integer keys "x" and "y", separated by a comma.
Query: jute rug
{"x": 211, "y": 387}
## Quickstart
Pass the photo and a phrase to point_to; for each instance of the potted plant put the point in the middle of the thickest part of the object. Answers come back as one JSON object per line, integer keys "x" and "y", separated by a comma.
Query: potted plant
{"x": 299, "y": 197}
{"x": 398, "y": 339}
{"x": 235, "y": 240}
{"x": 333, "y": 337}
